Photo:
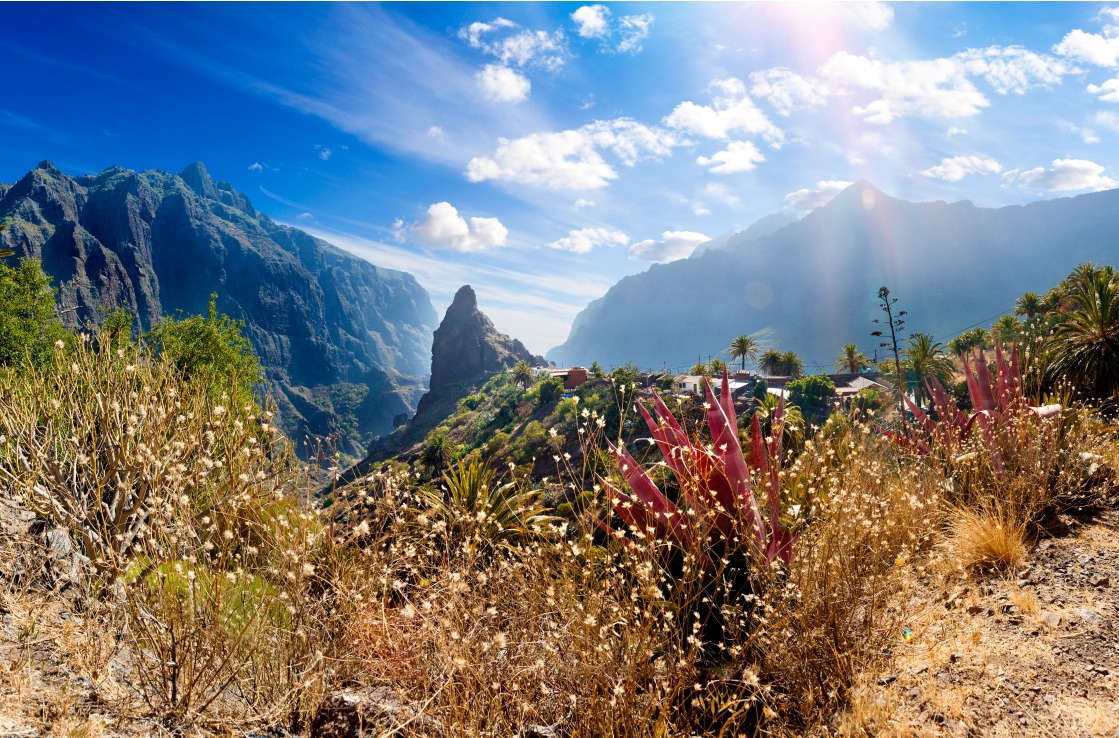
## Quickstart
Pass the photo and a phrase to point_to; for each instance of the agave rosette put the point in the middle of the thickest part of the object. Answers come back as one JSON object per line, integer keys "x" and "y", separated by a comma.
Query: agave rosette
{"x": 997, "y": 403}
{"x": 717, "y": 485}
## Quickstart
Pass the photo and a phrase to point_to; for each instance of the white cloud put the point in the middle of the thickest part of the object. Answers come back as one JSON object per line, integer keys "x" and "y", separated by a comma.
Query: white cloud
{"x": 1099, "y": 49}
{"x": 437, "y": 133}
{"x": 583, "y": 202}
{"x": 556, "y": 160}
{"x": 875, "y": 16}
{"x": 305, "y": 216}
{"x": 807, "y": 199}
{"x": 571, "y": 159}
{"x": 738, "y": 156}
{"x": 1106, "y": 119}
{"x": 633, "y": 30}
{"x": 256, "y": 166}
{"x": 502, "y": 84}
{"x": 324, "y": 153}
{"x": 957, "y": 167}
{"x": 1008, "y": 178}
{"x": 443, "y": 228}
{"x": 1108, "y": 91}
{"x": 731, "y": 112}
{"x": 524, "y": 48}
{"x": 786, "y": 90}
{"x": 1013, "y": 68}
{"x": 955, "y": 131}
{"x": 719, "y": 192}
{"x": 1067, "y": 174}
{"x": 935, "y": 88}
{"x": 672, "y": 245}
{"x": 584, "y": 240}
{"x": 592, "y": 21}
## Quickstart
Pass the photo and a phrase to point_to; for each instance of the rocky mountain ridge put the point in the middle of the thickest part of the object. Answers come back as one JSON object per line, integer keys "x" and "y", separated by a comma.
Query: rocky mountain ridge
{"x": 344, "y": 343}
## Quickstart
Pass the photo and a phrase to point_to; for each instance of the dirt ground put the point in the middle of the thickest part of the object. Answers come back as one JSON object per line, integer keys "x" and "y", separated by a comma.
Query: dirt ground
{"x": 1033, "y": 652}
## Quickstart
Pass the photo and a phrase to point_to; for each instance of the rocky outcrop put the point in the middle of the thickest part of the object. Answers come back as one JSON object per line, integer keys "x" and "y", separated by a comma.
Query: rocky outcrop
{"x": 466, "y": 350}
{"x": 466, "y": 345}
{"x": 344, "y": 343}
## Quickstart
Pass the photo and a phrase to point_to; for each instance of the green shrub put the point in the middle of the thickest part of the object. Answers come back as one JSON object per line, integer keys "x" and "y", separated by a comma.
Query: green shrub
{"x": 211, "y": 350}
{"x": 810, "y": 392}
{"x": 29, "y": 325}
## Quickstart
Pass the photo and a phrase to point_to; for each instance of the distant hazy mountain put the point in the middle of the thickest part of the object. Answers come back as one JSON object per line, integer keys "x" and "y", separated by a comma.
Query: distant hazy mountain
{"x": 810, "y": 286}
{"x": 345, "y": 344}
{"x": 761, "y": 227}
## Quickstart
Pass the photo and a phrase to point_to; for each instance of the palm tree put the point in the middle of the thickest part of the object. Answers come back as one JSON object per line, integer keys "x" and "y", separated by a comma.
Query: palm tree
{"x": 850, "y": 359}
{"x": 436, "y": 453}
{"x": 793, "y": 429}
{"x": 523, "y": 373}
{"x": 716, "y": 367}
{"x": 771, "y": 362}
{"x": 700, "y": 370}
{"x": 925, "y": 358}
{"x": 1087, "y": 339}
{"x": 744, "y": 348}
{"x": 1028, "y": 305}
{"x": 791, "y": 364}
{"x": 1006, "y": 330}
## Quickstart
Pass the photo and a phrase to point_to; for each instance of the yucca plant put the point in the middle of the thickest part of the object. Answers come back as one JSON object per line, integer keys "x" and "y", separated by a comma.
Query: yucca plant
{"x": 474, "y": 507}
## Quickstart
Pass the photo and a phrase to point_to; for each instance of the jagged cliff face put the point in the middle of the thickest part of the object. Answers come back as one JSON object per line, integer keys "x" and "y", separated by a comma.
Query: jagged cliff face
{"x": 466, "y": 345}
{"x": 344, "y": 343}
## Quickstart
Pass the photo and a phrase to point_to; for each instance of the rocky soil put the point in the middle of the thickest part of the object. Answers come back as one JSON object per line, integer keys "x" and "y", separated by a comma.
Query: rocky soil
{"x": 1034, "y": 652}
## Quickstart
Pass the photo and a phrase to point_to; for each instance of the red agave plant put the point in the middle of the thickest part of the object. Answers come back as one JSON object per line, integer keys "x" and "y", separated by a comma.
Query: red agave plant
{"x": 997, "y": 403}
{"x": 717, "y": 510}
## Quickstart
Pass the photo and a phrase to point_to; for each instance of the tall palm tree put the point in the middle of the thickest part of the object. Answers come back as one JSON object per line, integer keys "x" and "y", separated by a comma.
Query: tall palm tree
{"x": 716, "y": 366}
{"x": 850, "y": 359}
{"x": 523, "y": 373}
{"x": 1006, "y": 330}
{"x": 791, "y": 364}
{"x": 745, "y": 348}
{"x": 1028, "y": 305}
{"x": 1087, "y": 339}
{"x": 771, "y": 362}
{"x": 924, "y": 358}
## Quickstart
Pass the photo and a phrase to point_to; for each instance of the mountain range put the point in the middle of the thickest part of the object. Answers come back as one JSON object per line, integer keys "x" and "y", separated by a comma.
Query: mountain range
{"x": 811, "y": 286}
{"x": 345, "y": 344}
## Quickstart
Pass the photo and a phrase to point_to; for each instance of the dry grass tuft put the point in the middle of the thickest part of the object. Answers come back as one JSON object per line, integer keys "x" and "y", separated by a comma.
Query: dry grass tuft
{"x": 987, "y": 539}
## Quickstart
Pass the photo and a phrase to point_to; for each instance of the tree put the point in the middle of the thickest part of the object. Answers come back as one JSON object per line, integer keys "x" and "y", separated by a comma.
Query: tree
{"x": 716, "y": 366}
{"x": 850, "y": 359}
{"x": 771, "y": 362}
{"x": 1087, "y": 338}
{"x": 699, "y": 370}
{"x": 596, "y": 370}
{"x": 745, "y": 348}
{"x": 810, "y": 392}
{"x": 924, "y": 358}
{"x": 437, "y": 453}
{"x": 1028, "y": 305}
{"x": 523, "y": 373}
{"x": 791, "y": 364}
{"x": 210, "y": 349}
{"x": 29, "y": 325}
{"x": 896, "y": 324}
{"x": 1006, "y": 330}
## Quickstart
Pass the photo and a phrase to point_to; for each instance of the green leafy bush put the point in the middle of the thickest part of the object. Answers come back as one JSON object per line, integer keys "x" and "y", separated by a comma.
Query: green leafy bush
{"x": 29, "y": 325}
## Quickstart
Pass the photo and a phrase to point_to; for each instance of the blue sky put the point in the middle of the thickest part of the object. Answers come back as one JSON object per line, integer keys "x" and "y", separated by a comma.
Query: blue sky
{"x": 540, "y": 152}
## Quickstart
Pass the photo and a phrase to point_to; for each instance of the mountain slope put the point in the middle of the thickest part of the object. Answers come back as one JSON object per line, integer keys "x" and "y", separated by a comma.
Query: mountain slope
{"x": 810, "y": 286}
{"x": 344, "y": 343}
